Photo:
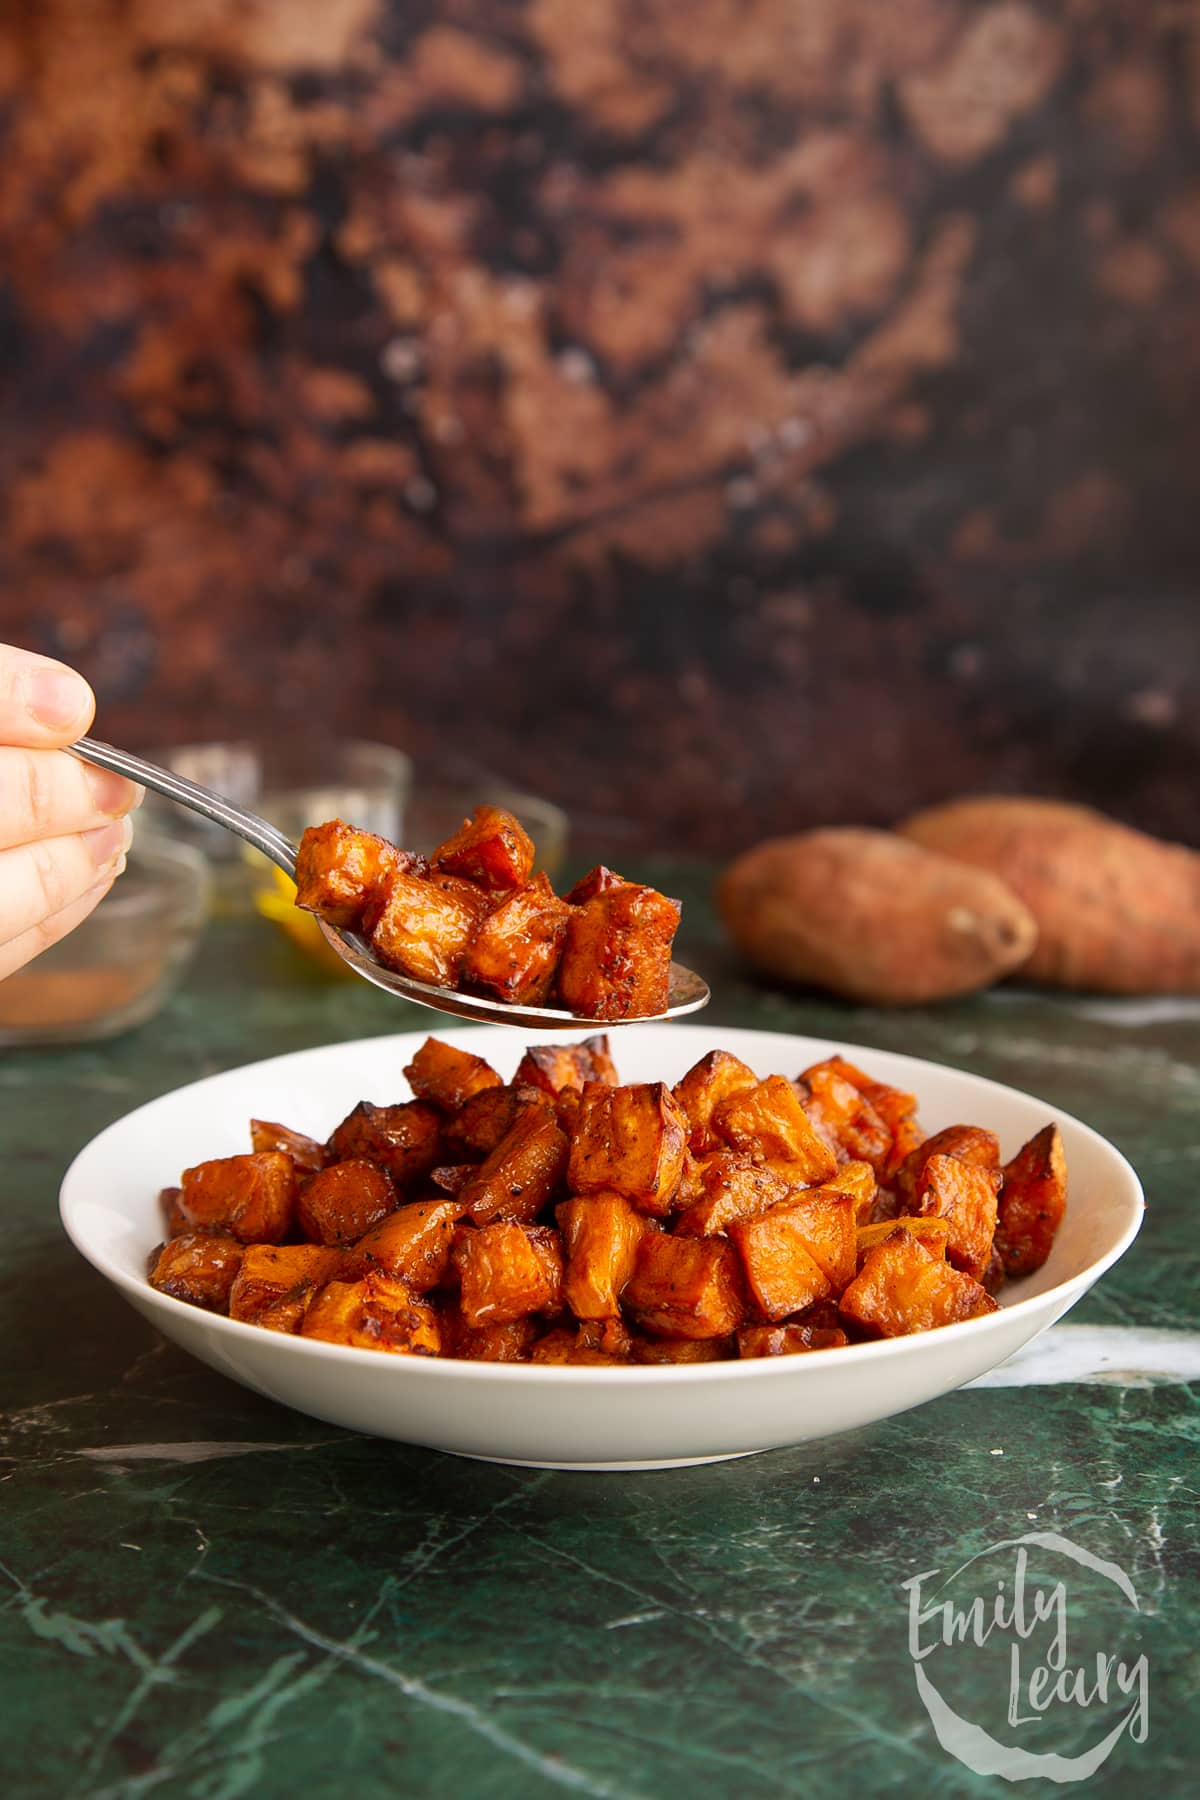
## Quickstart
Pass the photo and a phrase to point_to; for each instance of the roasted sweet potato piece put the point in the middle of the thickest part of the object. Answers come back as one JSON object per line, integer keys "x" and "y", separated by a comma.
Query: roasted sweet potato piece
{"x": 338, "y": 1204}
{"x": 788, "y": 1340}
{"x": 421, "y": 929}
{"x": 897, "y": 1109}
{"x": 686, "y": 1287}
{"x": 513, "y": 955}
{"x": 931, "y": 1231}
{"x": 276, "y": 1283}
{"x": 404, "y": 1139}
{"x": 628, "y": 1140}
{"x": 507, "y": 1271}
{"x": 1033, "y": 1200}
{"x": 769, "y": 1121}
{"x": 734, "y": 1185}
{"x": 448, "y": 1077}
{"x": 600, "y": 1233}
{"x": 902, "y": 1287}
{"x": 305, "y": 1152}
{"x": 797, "y": 1252}
{"x": 682, "y": 1350}
{"x": 175, "y": 1220}
{"x": 844, "y": 1117}
{"x": 341, "y": 871}
{"x": 858, "y": 1180}
{"x": 510, "y": 1342}
{"x": 199, "y": 1267}
{"x": 412, "y": 1244}
{"x": 586, "y": 1344}
{"x": 452, "y": 1178}
{"x": 521, "y": 1174}
{"x": 698, "y": 1093}
{"x": 970, "y": 1143}
{"x": 965, "y": 1194}
{"x": 489, "y": 1116}
{"x": 491, "y": 848}
{"x": 376, "y": 1313}
{"x": 559, "y": 1068}
{"x": 616, "y": 957}
{"x": 251, "y": 1197}
{"x": 599, "y": 880}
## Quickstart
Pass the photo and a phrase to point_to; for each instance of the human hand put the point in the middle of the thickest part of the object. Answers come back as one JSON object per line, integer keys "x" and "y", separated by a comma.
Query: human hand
{"x": 64, "y": 828}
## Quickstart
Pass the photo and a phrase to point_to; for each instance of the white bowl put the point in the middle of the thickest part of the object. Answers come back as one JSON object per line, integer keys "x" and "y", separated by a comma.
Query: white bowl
{"x": 579, "y": 1417}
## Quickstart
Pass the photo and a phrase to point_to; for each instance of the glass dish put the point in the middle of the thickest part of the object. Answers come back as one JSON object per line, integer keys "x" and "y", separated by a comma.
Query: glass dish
{"x": 116, "y": 969}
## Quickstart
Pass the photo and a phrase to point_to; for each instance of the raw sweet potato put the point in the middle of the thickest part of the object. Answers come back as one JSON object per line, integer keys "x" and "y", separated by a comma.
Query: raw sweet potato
{"x": 873, "y": 917}
{"x": 1116, "y": 911}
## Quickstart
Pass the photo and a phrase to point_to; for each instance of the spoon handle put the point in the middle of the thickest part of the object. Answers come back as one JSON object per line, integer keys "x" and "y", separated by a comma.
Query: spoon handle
{"x": 197, "y": 799}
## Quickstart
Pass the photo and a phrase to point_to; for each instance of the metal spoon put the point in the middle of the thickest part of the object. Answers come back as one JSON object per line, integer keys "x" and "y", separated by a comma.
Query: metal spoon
{"x": 687, "y": 991}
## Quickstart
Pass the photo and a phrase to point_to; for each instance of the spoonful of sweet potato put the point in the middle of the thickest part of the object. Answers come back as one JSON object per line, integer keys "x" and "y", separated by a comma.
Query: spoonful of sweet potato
{"x": 470, "y": 929}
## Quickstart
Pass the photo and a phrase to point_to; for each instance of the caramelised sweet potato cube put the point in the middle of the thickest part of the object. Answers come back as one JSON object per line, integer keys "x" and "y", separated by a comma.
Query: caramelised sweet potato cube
{"x": 452, "y": 1178}
{"x": 199, "y": 1267}
{"x": 930, "y": 1231}
{"x": 686, "y": 1287}
{"x": 628, "y": 1140}
{"x": 448, "y": 1077}
{"x": 175, "y": 1220}
{"x": 305, "y": 1152}
{"x": 897, "y": 1109}
{"x": 490, "y": 1115}
{"x": 844, "y": 1117}
{"x": 513, "y": 955}
{"x": 276, "y": 1283}
{"x": 734, "y": 1185}
{"x": 405, "y": 1139}
{"x": 336, "y": 1205}
{"x": 902, "y": 1287}
{"x": 340, "y": 871}
{"x": 560, "y": 1068}
{"x": 970, "y": 1143}
{"x": 565, "y": 1346}
{"x": 769, "y": 1121}
{"x": 521, "y": 1174}
{"x": 509, "y": 1342}
{"x": 421, "y": 929}
{"x": 616, "y": 957}
{"x": 600, "y": 880}
{"x": 965, "y": 1195}
{"x": 491, "y": 848}
{"x": 682, "y": 1350}
{"x": 798, "y": 1252}
{"x": 710, "y": 1081}
{"x": 788, "y": 1340}
{"x": 858, "y": 1180}
{"x": 1033, "y": 1200}
{"x": 251, "y": 1197}
{"x": 413, "y": 1244}
{"x": 507, "y": 1271}
{"x": 600, "y": 1233}
{"x": 376, "y": 1313}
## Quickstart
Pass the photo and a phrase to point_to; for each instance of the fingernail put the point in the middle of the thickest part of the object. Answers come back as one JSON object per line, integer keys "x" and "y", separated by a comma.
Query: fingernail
{"x": 108, "y": 842}
{"x": 112, "y": 793}
{"x": 57, "y": 697}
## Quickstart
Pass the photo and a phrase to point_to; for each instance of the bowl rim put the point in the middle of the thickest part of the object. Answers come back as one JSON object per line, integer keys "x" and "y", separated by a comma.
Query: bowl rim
{"x": 438, "y": 1368}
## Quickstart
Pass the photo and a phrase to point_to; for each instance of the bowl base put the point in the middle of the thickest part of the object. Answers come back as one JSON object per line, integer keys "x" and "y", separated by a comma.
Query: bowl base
{"x": 609, "y": 1468}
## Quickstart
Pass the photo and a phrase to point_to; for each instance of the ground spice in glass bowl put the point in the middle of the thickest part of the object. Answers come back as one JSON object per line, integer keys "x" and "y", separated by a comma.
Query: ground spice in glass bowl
{"x": 117, "y": 968}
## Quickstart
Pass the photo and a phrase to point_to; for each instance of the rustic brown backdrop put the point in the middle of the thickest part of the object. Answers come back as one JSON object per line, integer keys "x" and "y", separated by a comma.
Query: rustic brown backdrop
{"x": 725, "y": 415}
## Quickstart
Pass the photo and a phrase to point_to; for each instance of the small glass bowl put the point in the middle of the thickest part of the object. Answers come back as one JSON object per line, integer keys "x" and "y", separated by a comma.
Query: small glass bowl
{"x": 116, "y": 969}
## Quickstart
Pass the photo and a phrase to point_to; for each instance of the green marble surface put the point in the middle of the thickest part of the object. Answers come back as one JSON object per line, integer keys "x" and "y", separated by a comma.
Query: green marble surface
{"x": 202, "y": 1594}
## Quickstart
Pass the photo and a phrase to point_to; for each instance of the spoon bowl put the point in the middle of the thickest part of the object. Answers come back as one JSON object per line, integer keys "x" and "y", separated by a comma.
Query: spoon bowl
{"x": 687, "y": 993}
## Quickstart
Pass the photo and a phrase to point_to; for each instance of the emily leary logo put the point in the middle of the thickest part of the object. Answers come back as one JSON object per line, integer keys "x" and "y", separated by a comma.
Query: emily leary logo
{"x": 1001, "y": 1639}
